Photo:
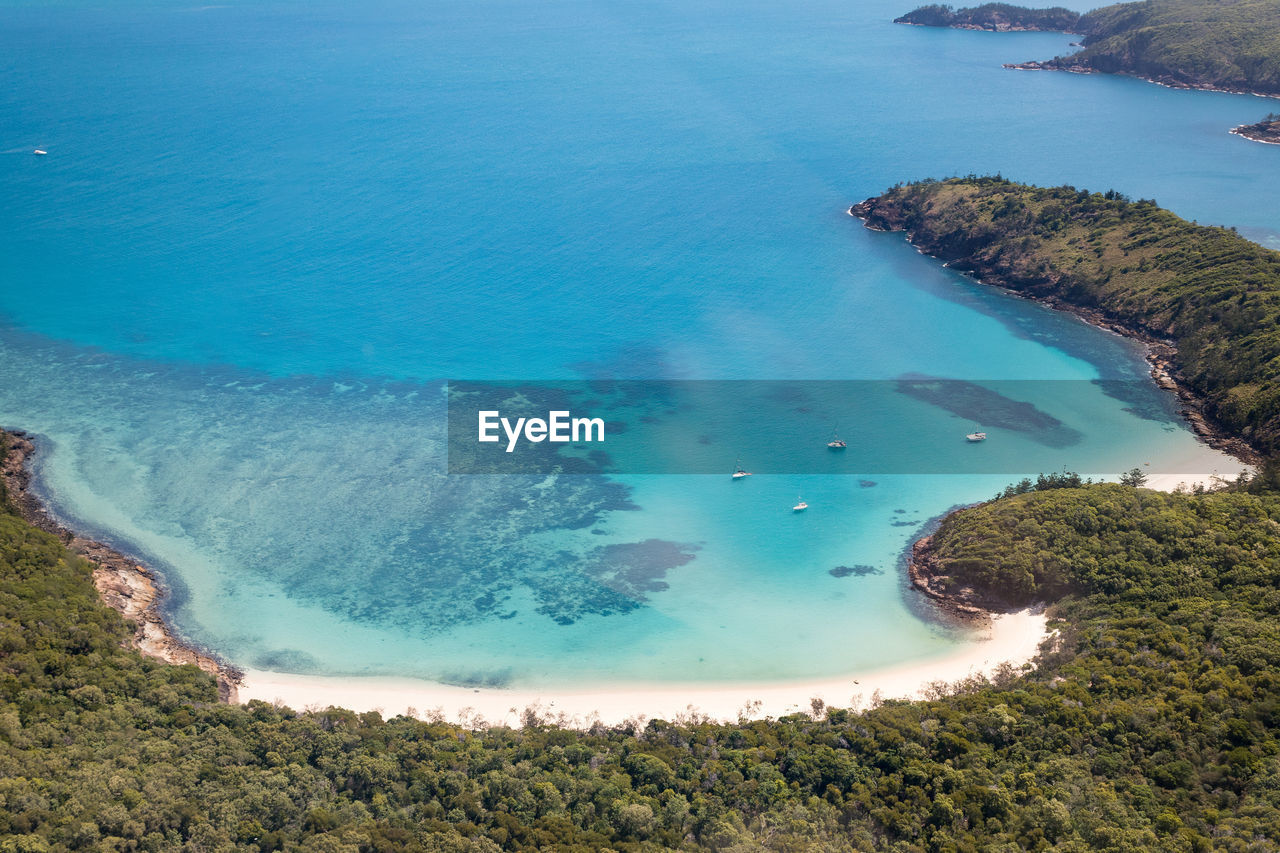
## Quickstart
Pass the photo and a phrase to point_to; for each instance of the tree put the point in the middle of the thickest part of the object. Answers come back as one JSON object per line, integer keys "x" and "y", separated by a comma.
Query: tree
{"x": 1133, "y": 477}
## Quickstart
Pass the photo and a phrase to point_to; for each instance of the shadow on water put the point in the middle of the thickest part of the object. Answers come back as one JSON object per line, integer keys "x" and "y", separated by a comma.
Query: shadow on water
{"x": 1112, "y": 355}
{"x": 860, "y": 571}
{"x": 1121, "y": 376}
{"x": 980, "y": 404}
{"x": 921, "y": 606}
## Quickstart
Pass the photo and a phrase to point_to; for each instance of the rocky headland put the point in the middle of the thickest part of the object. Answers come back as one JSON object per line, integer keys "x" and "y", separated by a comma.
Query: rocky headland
{"x": 1267, "y": 130}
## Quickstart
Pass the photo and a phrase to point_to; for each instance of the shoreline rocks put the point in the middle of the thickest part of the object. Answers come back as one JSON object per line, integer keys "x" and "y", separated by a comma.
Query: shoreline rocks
{"x": 127, "y": 586}
{"x": 924, "y": 576}
{"x": 1266, "y": 132}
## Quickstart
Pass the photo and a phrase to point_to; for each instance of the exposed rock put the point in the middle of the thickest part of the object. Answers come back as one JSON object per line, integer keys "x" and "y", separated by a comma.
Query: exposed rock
{"x": 126, "y": 585}
{"x": 924, "y": 573}
{"x": 1267, "y": 131}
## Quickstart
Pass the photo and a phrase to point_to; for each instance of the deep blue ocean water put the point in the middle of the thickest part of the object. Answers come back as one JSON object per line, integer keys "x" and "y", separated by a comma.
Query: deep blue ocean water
{"x": 265, "y": 232}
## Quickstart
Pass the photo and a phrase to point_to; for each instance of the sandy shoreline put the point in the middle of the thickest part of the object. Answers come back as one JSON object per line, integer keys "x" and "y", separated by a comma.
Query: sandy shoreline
{"x": 997, "y": 639}
{"x": 1012, "y": 638}
{"x": 135, "y": 592}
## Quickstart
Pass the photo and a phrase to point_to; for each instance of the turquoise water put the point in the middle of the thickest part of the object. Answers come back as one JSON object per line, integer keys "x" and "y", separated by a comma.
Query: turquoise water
{"x": 266, "y": 232}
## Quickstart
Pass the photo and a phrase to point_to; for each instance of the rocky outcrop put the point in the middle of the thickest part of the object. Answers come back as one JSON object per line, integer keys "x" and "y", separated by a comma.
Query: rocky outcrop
{"x": 925, "y": 574}
{"x": 1267, "y": 131}
{"x": 127, "y": 586}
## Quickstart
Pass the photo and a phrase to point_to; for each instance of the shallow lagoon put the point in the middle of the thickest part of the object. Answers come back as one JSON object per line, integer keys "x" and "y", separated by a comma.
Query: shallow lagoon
{"x": 237, "y": 280}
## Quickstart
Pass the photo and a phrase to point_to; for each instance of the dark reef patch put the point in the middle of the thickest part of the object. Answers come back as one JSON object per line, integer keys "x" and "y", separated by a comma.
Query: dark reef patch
{"x": 478, "y": 550}
{"x": 611, "y": 579}
{"x": 287, "y": 660}
{"x": 500, "y": 678}
{"x": 636, "y": 568}
{"x": 982, "y": 405}
{"x": 855, "y": 571}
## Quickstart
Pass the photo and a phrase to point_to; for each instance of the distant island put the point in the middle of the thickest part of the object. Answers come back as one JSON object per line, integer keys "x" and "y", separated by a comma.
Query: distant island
{"x": 1204, "y": 298}
{"x": 997, "y": 17}
{"x": 1267, "y": 130}
{"x": 1200, "y": 44}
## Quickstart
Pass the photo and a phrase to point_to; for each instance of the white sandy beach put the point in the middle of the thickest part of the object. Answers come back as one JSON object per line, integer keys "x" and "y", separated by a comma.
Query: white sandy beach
{"x": 1014, "y": 638}
{"x": 1176, "y": 482}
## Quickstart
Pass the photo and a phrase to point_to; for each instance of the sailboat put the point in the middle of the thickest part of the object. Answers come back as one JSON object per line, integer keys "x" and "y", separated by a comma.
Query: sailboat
{"x": 800, "y": 506}
{"x": 836, "y": 442}
{"x": 975, "y": 435}
{"x": 738, "y": 473}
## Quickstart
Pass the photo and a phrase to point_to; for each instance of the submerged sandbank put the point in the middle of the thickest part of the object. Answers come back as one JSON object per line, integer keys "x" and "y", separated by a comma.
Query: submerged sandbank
{"x": 1012, "y": 638}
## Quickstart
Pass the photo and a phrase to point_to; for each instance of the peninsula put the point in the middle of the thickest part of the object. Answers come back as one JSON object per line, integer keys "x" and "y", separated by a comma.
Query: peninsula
{"x": 1267, "y": 130}
{"x": 1200, "y": 44}
{"x": 1204, "y": 298}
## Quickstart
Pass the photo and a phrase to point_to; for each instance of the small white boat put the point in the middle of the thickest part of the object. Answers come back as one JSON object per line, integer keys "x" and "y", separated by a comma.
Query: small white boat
{"x": 976, "y": 436}
{"x": 800, "y": 506}
{"x": 738, "y": 473}
{"x": 40, "y": 152}
{"x": 836, "y": 442}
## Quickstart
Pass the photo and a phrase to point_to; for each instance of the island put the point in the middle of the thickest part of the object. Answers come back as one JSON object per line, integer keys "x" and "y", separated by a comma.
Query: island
{"x": 1205, "y": 300}
{"x": 996, "y": 17}
{"x": 1200, "y": 44}
{"x": 1267, "y": 130}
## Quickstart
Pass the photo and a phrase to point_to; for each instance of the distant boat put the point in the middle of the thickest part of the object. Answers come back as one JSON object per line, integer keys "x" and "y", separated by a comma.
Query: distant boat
{"x": 738, "y": 473}
{"x": 976, "y": 436}
{"x": 800, "y": 506}
{"x": 836, "y": 442}
{"x": 40, "y": 151}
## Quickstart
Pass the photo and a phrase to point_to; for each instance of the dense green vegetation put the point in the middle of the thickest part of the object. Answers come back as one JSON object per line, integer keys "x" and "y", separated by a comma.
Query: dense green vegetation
{"x": 993, "y": 16}
{"x": 1231, "y": 45}
{"x": 1152, "y": 725}
{"x": 1227, "y": 45}
{"x": 1213, "y": 293}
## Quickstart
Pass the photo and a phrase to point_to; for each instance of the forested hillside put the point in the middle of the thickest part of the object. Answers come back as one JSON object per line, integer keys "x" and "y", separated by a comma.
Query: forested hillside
{"x": 1153, "y": 726}
{"x": 1214, "y": 294}
{"x": 1231, "y": 45}
{"x": 1001, "y": 17}
{"x": 1226, "y": 45}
